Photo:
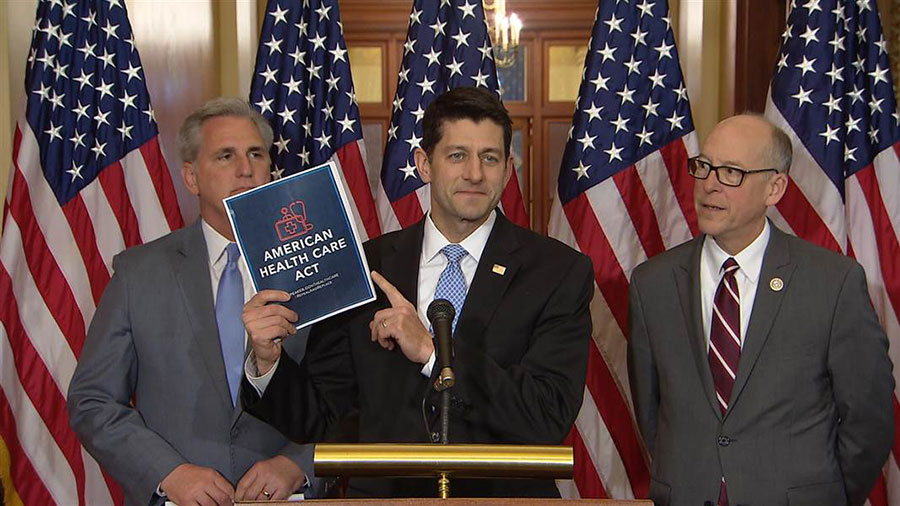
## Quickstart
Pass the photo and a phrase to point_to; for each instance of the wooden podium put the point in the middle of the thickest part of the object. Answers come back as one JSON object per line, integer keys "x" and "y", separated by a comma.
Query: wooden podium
{"x": 444, "y": 463}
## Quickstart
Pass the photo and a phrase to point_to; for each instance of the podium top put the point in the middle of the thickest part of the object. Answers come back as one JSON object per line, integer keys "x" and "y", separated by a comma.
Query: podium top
{"x": 459, "y": 461}
{"x": 455, "y": 502}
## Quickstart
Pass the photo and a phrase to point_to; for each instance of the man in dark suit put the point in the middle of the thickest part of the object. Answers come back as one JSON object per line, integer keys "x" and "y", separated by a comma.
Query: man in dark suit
{"x": 520, "y": 338}
{"x": 153, "y": 397}
{"x": 758, "y": 368}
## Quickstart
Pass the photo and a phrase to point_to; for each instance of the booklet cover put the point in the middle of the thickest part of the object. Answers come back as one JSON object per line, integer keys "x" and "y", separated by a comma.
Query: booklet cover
{"x": 297, "y": 234}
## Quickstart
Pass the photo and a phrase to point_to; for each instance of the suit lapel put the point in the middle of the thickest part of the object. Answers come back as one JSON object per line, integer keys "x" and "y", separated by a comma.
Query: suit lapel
{"x": 776, "y": 264}
{"x": 687, "y": 279}
{"x": 400, "y": 266}
{"x": 489, "y": 284}
{"x": 192, "y": 268}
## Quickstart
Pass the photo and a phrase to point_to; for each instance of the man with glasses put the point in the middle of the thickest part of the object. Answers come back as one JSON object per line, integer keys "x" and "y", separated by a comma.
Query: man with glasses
{"x": 758, "y": 368}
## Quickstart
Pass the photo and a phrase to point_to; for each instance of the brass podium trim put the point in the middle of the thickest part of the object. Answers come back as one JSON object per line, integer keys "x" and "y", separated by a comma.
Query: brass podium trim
{"x": 457, "y": 460}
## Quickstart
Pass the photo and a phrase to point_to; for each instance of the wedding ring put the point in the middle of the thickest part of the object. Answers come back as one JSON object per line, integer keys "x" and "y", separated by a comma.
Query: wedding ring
{"x": 267, "y": 494}
{"x": 384, "y": 323}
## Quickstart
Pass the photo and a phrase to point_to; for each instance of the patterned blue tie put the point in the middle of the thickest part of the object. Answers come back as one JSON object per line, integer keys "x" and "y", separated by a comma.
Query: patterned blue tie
{"x": 229, "y": 304}
{"x": 452, "y": 284}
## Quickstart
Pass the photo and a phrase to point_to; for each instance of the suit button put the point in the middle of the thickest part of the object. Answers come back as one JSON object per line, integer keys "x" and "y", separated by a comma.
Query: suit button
{"x": 724, "y": 440}
{"x": 435, "y": 437}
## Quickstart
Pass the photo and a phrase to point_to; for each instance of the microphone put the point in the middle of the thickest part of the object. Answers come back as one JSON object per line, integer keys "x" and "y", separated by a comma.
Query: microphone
{"x": 440, "y": 313}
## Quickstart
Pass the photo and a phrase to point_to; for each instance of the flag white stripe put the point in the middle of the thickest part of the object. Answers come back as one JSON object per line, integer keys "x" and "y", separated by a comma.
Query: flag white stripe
{"x": 602, "y": 449}
{"x": 386, "y": 214}
{"x": 142, "y": 194}
{"x": 886, "y": 170}
{"x": 862, "y": 238}
{"x": 43, "y": 331}
{"x": 96, "y": 492}
{"x": 107, "y": 232}
{"x": 811, "y": 179}
{"x": 617, "y": 226}
{"x": 672, "y": 225}
{"x": 354, "y": 209}
{"x": 54, "y": 225}
{"x": 45, "y": 456}
{"x": 611, "y": 342}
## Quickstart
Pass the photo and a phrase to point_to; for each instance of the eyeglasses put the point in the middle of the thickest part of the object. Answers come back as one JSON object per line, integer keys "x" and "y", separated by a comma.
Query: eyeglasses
{"x": 728, "y": 176}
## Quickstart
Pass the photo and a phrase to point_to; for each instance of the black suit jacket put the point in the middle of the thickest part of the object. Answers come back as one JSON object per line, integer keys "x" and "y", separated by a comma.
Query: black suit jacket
{"x": 811, "y": 417}
{"x": 520, "y": 361}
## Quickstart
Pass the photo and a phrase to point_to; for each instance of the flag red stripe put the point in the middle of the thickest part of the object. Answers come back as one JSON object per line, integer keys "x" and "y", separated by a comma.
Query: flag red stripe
{"x": 594, "y": 243}
{"x": 115, "y": 490}
{"x": 49, "y": 279}
{"x": 112, "y": 179}
{"x": 83, "y": 230}
{"x": 885, "y": 236}
{"x": 617, "y": 417}
{"x": 513, "y": 204}
{"x": 408, "y": 209}
{"x": 878, "y": 496}
{"x": 804, "y": 220}
{"x": 590, "y": 486}
{"x": 358, "y": 181}
{"x": 643, "y": 217}
{"x": 675, "y": 156}
{"x": 25, "y": 480}
{"x": 895, "y": 450}
{"x": 165, "y": 190}
{"x": 39, "y": 385}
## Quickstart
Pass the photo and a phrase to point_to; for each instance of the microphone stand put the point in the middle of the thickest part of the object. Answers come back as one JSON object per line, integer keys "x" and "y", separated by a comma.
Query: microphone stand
{"x": 441, "y": 313}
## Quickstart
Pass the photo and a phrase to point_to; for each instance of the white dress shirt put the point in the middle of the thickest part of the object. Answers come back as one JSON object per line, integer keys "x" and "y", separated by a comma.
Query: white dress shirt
{"x": 749, "y": 261}
{"x": 432, "y": 263}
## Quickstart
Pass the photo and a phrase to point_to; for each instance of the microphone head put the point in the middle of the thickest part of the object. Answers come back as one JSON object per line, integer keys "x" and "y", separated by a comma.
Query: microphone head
{"x": 440, "y": 308}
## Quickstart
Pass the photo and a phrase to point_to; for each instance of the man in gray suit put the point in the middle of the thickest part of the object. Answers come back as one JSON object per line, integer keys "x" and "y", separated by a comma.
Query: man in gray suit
{"x": 758, "y": 368}
{"x": 154, "y": 397}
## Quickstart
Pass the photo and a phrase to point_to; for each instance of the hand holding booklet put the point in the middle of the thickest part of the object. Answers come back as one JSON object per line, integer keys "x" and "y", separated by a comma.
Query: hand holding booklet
{"x": 297, "y": 234}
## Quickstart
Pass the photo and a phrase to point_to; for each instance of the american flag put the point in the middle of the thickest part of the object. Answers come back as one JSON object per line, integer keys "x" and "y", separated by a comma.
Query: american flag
{"x": 88, "y": 180}
{"x": 624, "y": 195}
{"x": 832, "y": 93}
{"x": 302, "y": 84}
{"x": 447, "y": 45}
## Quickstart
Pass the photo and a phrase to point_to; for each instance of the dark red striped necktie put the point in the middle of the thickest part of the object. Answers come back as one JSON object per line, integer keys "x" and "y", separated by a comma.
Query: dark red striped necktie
{"x": 725, "y": 342}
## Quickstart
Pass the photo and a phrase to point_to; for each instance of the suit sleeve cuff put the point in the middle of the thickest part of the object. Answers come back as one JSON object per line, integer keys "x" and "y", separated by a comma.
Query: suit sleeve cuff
{"x": 257, "y": 381}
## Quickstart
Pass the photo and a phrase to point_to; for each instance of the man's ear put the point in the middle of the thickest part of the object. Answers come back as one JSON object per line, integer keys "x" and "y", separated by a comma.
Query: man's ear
{"x": 189, "y": 176}
{"x": 510, "y": 167}
{"x": 776, "y": 187}
{"x": 423, "y": 165}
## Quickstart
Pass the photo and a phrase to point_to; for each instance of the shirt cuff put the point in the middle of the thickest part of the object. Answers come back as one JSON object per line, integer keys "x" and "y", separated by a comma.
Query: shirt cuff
{"x": 426, "y": 370}
{"x": 259, "y": 383}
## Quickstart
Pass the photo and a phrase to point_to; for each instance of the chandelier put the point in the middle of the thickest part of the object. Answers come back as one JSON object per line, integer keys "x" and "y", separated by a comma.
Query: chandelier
{"x": 504, "y": 30}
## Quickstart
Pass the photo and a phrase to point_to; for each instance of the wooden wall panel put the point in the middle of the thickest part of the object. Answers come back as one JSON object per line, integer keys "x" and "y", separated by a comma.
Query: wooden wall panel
{"x": 759, "y": 26}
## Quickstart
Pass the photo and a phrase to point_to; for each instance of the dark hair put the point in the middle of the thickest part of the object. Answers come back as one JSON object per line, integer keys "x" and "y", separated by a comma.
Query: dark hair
{"x": 475, "y": 104}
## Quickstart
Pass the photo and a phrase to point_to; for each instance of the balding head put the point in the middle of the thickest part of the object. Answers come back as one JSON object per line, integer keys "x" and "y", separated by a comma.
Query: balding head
{"x": 772, "y": 146}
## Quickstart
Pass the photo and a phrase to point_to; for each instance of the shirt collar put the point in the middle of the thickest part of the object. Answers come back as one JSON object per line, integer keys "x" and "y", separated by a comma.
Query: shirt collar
{"x": 474, "y": 244}
{"x": 215, "y": 242}
{"x": 748, "y": 259}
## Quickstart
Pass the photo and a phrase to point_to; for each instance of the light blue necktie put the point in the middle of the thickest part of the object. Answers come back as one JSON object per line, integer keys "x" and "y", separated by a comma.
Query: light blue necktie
{"x": 452, "y": 284}
{"x": 229, "y": 304}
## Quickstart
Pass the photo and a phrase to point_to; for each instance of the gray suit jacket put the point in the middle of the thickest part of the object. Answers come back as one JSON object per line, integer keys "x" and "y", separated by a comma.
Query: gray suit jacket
{"x": 811, "y": 417}
{"x": 149, "y": 392}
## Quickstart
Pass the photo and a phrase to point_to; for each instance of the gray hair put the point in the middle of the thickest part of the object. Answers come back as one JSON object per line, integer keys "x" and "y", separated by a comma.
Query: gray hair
{"x": 189, "y": 134}
{"x": 780, "y": 151}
